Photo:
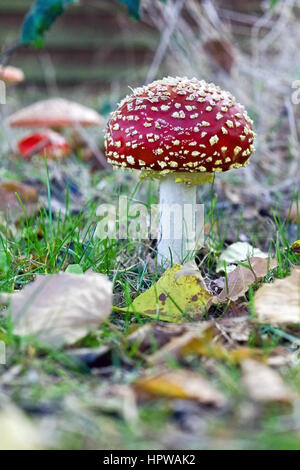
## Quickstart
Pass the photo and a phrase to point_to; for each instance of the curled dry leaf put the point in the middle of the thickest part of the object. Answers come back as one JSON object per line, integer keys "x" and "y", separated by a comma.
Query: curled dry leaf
{"x": 279, "y": 302}
{"x": 239, "y": 280}
{"x": 238, "y": 251}
{"x": 180, "y": 290}
{"x": 61, "y": 308}
{"x": 181, "y": 384}
{"x": 264, "y": 384}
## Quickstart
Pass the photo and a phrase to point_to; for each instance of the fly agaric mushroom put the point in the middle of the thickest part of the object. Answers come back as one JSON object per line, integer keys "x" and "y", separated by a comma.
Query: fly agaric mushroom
{"x": 45, "y": 142}
{"x": 55, "y": 112}
{"x": 11, "y": 74}
{"x": 182, "y": 131}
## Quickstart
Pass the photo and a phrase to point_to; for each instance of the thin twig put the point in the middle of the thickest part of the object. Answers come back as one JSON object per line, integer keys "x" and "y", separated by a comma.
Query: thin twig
{"x": 174, "y": 11}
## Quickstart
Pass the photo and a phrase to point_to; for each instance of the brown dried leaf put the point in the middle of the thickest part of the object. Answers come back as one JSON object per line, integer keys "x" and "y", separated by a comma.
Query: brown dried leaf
{"x": 203, "y": 344}
{"x": 9, "y": 200}
{"x": 239, "y": 280}
{"x": 237, "y": 329}
{"x": 61, "y": 308}
{"x": 156, "y": 335}
{"x": 279, "y": 302}
{"x": 264, "y": 384}
{"x": 181, "y": 384}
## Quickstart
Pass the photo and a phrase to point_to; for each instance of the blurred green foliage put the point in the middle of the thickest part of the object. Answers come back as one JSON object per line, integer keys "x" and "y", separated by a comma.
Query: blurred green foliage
{"x": 40, "y": 18}
{"x": 133, "y": 7}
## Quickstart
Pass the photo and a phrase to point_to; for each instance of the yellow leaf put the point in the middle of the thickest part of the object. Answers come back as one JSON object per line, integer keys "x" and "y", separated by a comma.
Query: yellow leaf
{"x": 203, "y": 344}
{"x": 296, "y": 247}
{"x": 182, "y": 384}
{"x": 179, "y": 291}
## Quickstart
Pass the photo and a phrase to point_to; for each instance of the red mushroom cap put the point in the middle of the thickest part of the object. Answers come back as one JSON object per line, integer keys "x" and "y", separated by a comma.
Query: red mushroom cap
{"x": 11, "y": 74}
{"x": 55, "y": 112}
{"x": 179, "y": 124}
{"x": 46, "y": 142}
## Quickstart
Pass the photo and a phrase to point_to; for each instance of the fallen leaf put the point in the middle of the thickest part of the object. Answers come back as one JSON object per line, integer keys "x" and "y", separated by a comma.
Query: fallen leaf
{"x": 16, "y": 431}
{"x": 235, "y": 310}
{"x": 202, "y": 343}
{"x": 239, "y": 280}
{"x": 296, "y": 247}
{"x": 155, "y": 335}
{"x": 238, "y": 251}
{"x": 264, "y": 384}
{"x": 181, "y": 384}
{"x": 219, "y": 352}
{"x": 62, "y": 308}
{"x": 180, "y": 290}
{"x": 282, "y": 356}
{"x": 26, "y": 193}
{"x": 279, "y": 302}
{"x": 235, "y": 329}
{"x": 10, "y": 202}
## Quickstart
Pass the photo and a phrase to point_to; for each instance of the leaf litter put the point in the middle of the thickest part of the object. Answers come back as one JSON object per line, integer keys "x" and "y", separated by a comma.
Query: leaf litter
{"x": 60, "y": 309}
{"x": 66, "y": 307}
{"x": 279, "y": 302}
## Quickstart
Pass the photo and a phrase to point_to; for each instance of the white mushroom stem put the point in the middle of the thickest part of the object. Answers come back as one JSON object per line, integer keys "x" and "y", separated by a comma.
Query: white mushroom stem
{"x": 177, "y": 221}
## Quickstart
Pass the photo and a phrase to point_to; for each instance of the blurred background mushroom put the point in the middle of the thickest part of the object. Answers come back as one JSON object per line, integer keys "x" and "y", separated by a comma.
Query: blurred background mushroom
{"x": 46, "y": 143}
{"x": 11, "y": 75}
{"x": 55, "y": 113}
